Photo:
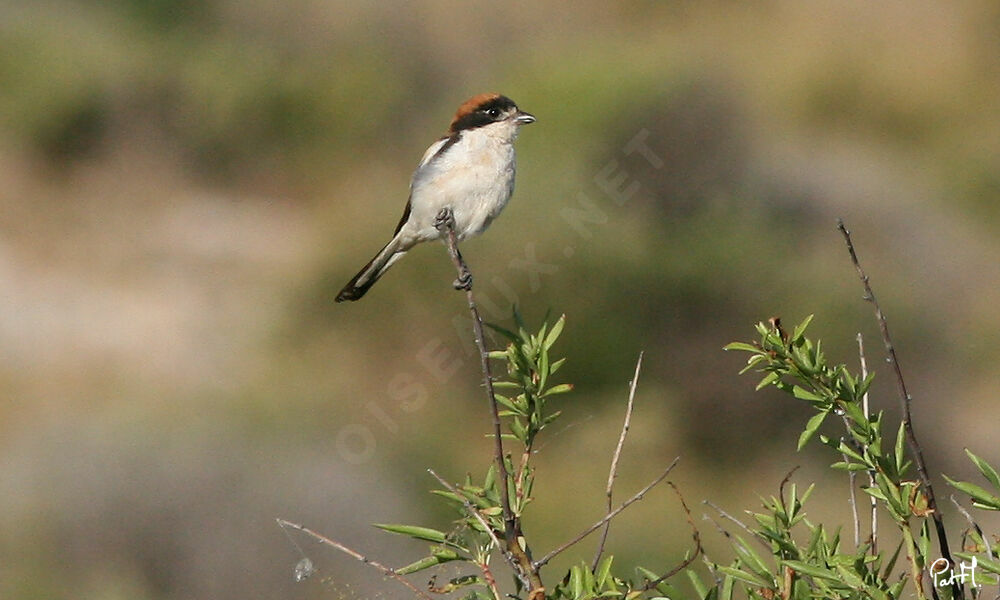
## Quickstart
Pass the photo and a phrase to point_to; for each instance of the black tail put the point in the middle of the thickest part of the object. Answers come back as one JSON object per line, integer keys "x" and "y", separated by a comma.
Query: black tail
{"x": 352, "y": 291}
{"x": 370, "y": 273}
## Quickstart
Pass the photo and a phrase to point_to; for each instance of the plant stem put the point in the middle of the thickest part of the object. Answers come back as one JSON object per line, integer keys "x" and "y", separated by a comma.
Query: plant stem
{"x": 905, "y": 401}
{"x": 512, "y": 526}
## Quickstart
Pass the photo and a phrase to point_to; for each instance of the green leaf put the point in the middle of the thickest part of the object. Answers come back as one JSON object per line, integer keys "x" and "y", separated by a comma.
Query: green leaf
{"x": 420, "y": 533}
{"x": 811, "y": 570}
{"x": 980, "y": 497}
{"x": 742, "y": 575}
{"x": 742, "y": 346}
{"x": 803, "y": 394}
{"x": 925, "y": 540}
{"x": 555, "y": 366}
{"x": 847, "y": 466}
{"x": 750, "y": 556}
{"x": 875, "y": 493}
{"x": 491, "y": 477}
{"x": 510, "y": 335}
{"x": 767, "y": 380}
{"x": 697, "y": 584}
{"x": 603, "y": 568}
{"x": 554, "y": 333}
{"x": 800, "y": 329}
{"x": 562, "y": 388}
{"x": 428, "y": 562}
{"x": 892, "y": 561}
{"x": 984, "y": 467}
{"x": 900, "y": 448}
{"x": 576, "y": 581}
{"x": 663, "y": 587}
{"x": 811, "y": 426}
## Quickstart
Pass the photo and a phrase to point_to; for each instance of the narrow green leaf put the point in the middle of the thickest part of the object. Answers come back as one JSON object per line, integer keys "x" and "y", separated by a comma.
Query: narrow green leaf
{"x": 984, "y": 467}
{"x": 663, "y": 587}
{"x": 767, "y": 380}
{"x": 554, "y": 333}
{"x": 848, "y": 466}
{"x": 555, "y": 366}
{"x": 892, "y": 561}
{"x": 925, "y": 540}
{"x": 811, "y": 426}
{"x": 753, "y": 560}
{"x": 510, "y": 335}
{"x": 743, "y": 576}
{"x": 900, "y": 447}
{"x": 603, "y": 568}
{"x": 981, "y": 498}
{"x": 449, "y": 495}
{"x": 426, "y": 563}
{"x": 800, "y": 329}
{"x": 562, "y": 388}
{"x": 875, "y": 492}
{"x": 742, "y": 346}
{"x": 727, "y": 588}
{"x": 696, "y": 583}
{"x": 803, "y": 394}
{"x": 811, "y": 570}
{"x": 576, "y": 581}
{"x": 421, "y": 533}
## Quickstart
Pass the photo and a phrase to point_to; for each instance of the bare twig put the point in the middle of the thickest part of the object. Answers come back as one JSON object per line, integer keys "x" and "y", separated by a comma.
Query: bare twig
{"x": 322, "y": 539}
{"x": 472, "y": 510}
{"x": 445, "y": 224}
{"x": 697, "y": 545}
{"x": 613, "y": 473}
{"x": 611, "y": 515}
{"x": 871, "y": 474}
{"x": 741, "y": 524}
{"x": 905, "y": 401}
{"x": 785, "y": 480}
{"x": 973, "y": 524}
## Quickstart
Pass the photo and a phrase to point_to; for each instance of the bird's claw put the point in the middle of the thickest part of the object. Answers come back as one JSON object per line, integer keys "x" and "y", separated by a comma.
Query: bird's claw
{"x": 464, "y": 281}
{"x": 444, "y": 220}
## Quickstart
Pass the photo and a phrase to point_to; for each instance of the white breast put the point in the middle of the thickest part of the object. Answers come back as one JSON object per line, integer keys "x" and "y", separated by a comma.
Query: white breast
{"x": 474, "y": 176}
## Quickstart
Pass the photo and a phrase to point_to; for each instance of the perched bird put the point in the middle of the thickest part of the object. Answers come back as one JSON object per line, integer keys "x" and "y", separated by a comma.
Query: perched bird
{"x": 469, "y": 171}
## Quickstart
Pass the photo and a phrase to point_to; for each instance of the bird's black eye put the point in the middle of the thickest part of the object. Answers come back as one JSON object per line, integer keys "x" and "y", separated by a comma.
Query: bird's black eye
{"x": 493, "y": 113}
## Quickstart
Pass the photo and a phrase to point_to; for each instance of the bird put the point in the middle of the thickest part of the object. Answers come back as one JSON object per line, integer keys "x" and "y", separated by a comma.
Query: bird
{"x": 468, "y": 174}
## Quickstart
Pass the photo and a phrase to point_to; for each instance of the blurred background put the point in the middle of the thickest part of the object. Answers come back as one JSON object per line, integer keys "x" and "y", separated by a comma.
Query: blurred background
{"x": 185, "y": 185}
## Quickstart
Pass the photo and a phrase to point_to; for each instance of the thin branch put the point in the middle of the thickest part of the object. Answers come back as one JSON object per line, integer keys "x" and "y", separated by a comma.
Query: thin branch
{"x": 973, "y": 524}
{"x": 614, "y": 460}
{"x": 611, "y": 515}
{"x": 852, "y": 479}
{"x": 322, "y": 539}
{"x": 905, "y": 401}
{"x": 445, "y": 224}
{"x": 871, "y": 474}
{"x": 741, "y": 524}
{"x": 468, "y": 507}
{"x": 697, "y": 545}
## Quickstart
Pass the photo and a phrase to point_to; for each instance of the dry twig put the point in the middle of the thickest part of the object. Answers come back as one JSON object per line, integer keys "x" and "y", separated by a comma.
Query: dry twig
{"x": 905, "y": 401}
{"x": 445, "y": 224}
{"x": 613, "y": 473}
{"x": 322, "y": 539}
{"x": 611, "y": 515}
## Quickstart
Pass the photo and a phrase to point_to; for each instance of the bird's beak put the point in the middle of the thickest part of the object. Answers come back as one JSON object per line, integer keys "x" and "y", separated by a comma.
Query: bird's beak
{"x": 523, "y": 118}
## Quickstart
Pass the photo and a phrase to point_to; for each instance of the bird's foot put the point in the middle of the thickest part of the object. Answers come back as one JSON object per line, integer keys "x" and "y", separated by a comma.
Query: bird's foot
{"x": 445, "y": 220}
{"x": 464, "y": 281}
